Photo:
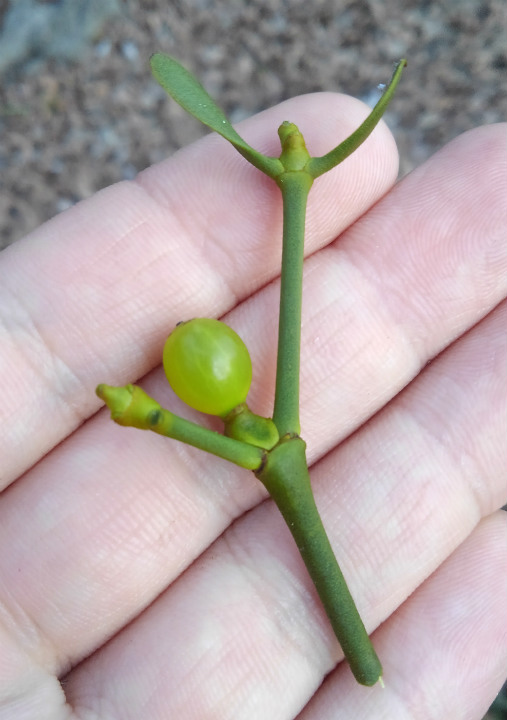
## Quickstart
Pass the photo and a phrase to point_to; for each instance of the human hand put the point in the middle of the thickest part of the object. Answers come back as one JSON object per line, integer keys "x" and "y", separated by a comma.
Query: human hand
{"x": 154, "y": 579}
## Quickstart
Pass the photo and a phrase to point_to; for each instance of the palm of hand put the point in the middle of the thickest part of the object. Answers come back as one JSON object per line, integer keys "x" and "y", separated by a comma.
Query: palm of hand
{"x": 123, "y": 570}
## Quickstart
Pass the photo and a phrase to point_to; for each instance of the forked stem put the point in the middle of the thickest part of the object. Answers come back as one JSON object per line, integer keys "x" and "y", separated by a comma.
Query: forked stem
{"x": 280, "y": 461}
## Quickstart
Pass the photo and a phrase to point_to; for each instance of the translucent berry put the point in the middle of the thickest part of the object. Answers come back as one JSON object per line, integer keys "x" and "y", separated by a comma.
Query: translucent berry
{"x": 208, "y": 366}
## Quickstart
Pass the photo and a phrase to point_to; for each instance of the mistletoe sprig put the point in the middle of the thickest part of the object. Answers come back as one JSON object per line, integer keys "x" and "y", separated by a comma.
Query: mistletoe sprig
{"x": 209, "y": 367}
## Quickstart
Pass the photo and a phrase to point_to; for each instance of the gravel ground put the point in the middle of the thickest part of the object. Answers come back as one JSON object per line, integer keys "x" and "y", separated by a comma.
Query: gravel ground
{"x": 79, "y": 109}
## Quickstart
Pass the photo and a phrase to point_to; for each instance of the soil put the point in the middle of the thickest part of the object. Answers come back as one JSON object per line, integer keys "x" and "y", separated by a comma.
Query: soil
{"x": 79, "y": 109}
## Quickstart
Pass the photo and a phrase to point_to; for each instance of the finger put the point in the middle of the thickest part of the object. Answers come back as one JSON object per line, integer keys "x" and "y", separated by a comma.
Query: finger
{"x": 91, "y": 296}
{"x": 146, "y": 507}
{"x": 444, "y": 651}
{"x": 245, "y": 614}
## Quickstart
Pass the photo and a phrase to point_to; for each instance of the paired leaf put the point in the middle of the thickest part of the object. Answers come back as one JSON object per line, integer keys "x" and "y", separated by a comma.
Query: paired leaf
{"x": 319, "y": 165}
{"x": 183, "y": 87}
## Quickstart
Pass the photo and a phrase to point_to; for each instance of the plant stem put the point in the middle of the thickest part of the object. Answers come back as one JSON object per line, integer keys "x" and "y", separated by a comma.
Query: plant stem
{"x": 280, "y": 464}
{"x": 286, "y": 477}
{"x": 238, "y": 452}
{"x": 295, "y": 187}
{"x": 132, "y": 407}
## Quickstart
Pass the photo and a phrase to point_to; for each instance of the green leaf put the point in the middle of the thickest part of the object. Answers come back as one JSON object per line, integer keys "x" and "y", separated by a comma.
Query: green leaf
{"x": 183, "y": 87}
{"x": 319, "y": 165}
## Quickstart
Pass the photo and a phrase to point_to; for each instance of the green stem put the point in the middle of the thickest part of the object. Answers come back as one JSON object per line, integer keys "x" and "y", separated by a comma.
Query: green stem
{"x": 295, "y": 187}
{"x": 132, "y": 407}
{"x": 286, "y": 477}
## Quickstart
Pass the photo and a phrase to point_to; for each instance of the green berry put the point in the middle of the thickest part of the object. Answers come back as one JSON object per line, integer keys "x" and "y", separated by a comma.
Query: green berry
{"x": 208, "y": 366}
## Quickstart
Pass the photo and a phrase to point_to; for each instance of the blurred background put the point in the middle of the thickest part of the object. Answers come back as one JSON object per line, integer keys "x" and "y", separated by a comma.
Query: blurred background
{"x": 79, "y": 109}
